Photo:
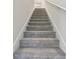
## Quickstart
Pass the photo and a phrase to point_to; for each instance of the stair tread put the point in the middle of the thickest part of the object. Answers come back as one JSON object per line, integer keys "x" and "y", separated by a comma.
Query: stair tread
{"x": 41, "y": 31}
{"x": 35, "y": 28}
{"x": 40, "y": 34}
{"x": 40, "y": 26}
{"x": 39, "y": 39}
{"x": 39, "y": 22}
{"x": 39, "y": 43}
{"x": 40, "y": 51}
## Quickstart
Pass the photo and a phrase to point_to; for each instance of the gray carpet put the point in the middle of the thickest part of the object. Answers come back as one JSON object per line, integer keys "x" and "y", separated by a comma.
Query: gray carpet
{"x": 39, "y": 40}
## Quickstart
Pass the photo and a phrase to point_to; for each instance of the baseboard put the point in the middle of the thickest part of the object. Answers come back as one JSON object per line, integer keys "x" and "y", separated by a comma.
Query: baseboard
{"x": 59, "y": 36}
{"x": 20, "y": 35}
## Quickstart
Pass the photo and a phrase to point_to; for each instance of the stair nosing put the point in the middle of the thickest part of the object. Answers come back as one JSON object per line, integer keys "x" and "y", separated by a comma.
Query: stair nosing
{"x": 39, "y": 26}
{"x": 41, "y": 31}
{"x": 39, "y": 39}
{"x": 39, "y": 22}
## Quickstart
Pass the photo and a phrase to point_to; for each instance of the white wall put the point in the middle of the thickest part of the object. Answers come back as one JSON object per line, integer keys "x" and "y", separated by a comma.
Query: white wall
{"x": 22, "y": 10}
{"x": 58, "y": 19}
{"x": 61, "y": 3}
{"x": 39, "y": 4}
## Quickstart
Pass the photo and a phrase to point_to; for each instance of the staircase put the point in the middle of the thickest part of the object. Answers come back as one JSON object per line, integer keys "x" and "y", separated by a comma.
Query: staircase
{"x": 39, "y": 40}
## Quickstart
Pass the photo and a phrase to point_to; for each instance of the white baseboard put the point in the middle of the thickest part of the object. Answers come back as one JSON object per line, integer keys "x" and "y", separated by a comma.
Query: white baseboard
{"x": 20, "y": 35}
{"x": 59, "y": 36}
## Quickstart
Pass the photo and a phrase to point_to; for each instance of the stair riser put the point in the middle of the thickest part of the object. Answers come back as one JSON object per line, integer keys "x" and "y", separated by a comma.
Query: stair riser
{"x": 39, "y": 43}
{"x": 39, "y": 14}
{"x": 39, "y": 24}
{"x": 40, "y": 11}
{"x": 39, "y": 28}
{"x": 32, "y": 23}
{"x": 30, "y": 56}
{"x": 36, "y": 15}
{"x": 39, "y": 18}
{"x": 39, "y": 35}
{"x": 39, "y": 21}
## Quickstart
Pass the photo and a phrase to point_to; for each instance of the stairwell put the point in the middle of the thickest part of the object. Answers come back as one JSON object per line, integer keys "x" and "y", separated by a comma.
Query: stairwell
{"x": 39, "y": 40}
